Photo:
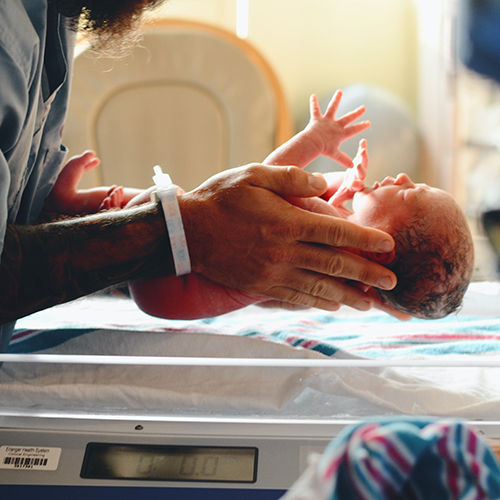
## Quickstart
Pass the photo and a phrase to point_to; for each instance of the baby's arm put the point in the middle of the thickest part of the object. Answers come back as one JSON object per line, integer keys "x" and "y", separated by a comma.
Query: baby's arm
{"x": 66, "y": 199}
{"x": 353, "y": 180}
{"x": 322, "y": 137}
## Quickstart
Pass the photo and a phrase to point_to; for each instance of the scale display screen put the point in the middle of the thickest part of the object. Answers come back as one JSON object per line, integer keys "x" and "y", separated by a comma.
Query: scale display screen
{"x": 170, "y": 463}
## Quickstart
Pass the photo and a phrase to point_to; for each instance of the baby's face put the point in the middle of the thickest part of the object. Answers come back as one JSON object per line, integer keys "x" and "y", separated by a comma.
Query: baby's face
{"x": 387, "y": 204}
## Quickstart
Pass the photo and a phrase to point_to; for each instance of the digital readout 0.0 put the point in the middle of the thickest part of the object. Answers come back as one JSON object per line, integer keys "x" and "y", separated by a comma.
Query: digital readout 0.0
{"x": 170, "y": 463}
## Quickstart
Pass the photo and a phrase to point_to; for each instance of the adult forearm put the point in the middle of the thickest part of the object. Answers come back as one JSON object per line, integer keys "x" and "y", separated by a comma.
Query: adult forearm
{"x": 48, "y": 264}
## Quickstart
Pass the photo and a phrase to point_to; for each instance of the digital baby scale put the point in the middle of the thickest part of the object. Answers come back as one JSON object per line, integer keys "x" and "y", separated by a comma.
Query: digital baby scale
{"x": 95, "y": 458}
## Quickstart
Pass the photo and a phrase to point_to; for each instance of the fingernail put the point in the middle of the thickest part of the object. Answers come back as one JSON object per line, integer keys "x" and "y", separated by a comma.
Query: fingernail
{"x": 364, "y": 305}
{"x": 385, "y": 283}
{"x": 385, "y": 246}
{"x": 333, "y": 307}
{"x": 317, "y": 181}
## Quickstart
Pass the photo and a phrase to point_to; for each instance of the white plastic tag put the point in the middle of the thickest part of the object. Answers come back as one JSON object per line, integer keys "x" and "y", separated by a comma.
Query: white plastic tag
{"x": 167, "y": 194}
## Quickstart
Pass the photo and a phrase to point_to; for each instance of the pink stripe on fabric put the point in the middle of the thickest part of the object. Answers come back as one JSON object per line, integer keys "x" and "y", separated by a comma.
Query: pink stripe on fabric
{"x": 445, "y": 336}
{"x": 395, "y": 453}
{"x": 23, "y": 333}
{"x": 334, "y": 465}
{"x": 451, "y": 469}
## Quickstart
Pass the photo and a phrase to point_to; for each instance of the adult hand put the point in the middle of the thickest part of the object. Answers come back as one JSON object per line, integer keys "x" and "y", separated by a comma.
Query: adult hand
{"x": 242, "y": 233}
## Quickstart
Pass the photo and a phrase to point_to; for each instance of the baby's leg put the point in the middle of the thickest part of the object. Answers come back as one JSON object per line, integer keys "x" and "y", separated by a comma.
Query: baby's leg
{"x": 64, "y": 197}
{"x": 188, "y": 297}
{"x": 73, "y": 171}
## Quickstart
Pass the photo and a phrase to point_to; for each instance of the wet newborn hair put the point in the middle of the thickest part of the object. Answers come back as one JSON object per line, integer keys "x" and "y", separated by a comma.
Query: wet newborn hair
{"x": 433, "y": 264}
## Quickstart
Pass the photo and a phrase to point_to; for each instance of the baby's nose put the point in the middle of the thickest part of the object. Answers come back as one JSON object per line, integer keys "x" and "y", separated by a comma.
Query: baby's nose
{"x": 403, "y": 179}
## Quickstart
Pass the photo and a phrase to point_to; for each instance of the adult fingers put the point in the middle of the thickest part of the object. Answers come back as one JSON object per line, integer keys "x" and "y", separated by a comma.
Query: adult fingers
{"x": 289, "y": 306}
{"x": 381, "y": 304}
{"x": 338, "y": 263}
{"x": 314, "y": 204}
{"x": 292, "y": 181}
{"x": 286, "y": 181}
{"x": 243, "y": 234}
{"x": 315, "y": 228}
{"x": 309, "y": 288}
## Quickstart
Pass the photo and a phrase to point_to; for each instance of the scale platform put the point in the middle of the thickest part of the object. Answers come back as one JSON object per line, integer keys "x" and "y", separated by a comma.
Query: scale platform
{"x": 101, "y": 457}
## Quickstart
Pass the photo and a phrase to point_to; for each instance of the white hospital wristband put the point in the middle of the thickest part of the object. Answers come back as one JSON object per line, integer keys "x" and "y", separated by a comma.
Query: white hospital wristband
{"x": 167, "y": 195}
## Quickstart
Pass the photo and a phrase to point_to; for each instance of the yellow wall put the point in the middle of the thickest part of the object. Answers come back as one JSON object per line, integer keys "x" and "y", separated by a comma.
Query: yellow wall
{"x": 316, "y": 46}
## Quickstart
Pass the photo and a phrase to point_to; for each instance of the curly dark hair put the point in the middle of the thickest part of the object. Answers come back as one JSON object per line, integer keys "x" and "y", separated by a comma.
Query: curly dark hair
{"x": 433, "y": 265}
{"x": 112, "y": 24}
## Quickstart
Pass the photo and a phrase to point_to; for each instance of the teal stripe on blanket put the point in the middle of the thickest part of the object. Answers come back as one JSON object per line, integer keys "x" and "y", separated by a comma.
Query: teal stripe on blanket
{"x": 370, "y": 336}
{"x": 28, "y": 341}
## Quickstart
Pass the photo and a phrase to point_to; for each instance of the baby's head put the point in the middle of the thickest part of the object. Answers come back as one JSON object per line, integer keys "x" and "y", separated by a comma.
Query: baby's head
{"x": 434, "y": 251}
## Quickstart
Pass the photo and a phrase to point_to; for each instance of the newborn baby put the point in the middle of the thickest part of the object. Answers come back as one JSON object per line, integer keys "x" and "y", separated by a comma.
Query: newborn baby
{"x": 433, "y": 257}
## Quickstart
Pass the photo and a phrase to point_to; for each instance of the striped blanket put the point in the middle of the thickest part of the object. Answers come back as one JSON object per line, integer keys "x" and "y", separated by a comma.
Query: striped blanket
{"x": 395, "y": 459}
{"x": 108, "y": 325}
{"x": 370, "y": 335}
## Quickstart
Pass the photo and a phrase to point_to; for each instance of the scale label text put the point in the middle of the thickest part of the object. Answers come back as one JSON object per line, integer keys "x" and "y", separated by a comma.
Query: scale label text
{"x": 29, "y": 457}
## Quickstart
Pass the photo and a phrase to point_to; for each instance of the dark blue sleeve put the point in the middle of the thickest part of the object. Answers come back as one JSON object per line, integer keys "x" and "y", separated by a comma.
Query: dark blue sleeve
{"x": 479, "y": 36}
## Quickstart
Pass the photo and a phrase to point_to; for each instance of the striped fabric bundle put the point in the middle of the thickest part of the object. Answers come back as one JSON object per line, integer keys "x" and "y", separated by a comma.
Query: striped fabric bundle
{"x": 365, "y": 335}
{"x": 398, "y": 459}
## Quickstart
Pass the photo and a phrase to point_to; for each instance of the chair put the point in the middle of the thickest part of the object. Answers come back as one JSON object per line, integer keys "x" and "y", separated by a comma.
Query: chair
{"x": 191, "y": 98}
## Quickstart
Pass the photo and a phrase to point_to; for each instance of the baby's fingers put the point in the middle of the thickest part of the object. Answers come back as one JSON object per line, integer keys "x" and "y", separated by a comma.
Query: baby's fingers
{"x": 314, "y": 108}
{"x": 351, "y": 117}
{"x": 355, "y": 129}
{"x": 342, "y": 158}
{"x": 357, "y": 185}
{"x": 341, "y": 196}
{"x": 361, "y": 159}
{"x": 333, "y": 106}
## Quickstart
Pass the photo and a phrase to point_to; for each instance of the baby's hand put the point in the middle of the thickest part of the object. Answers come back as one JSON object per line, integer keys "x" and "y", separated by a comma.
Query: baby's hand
{"x": 354, "y": 179}
{"x": 115, "y": 198}
{"x": 329, "y": 133}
